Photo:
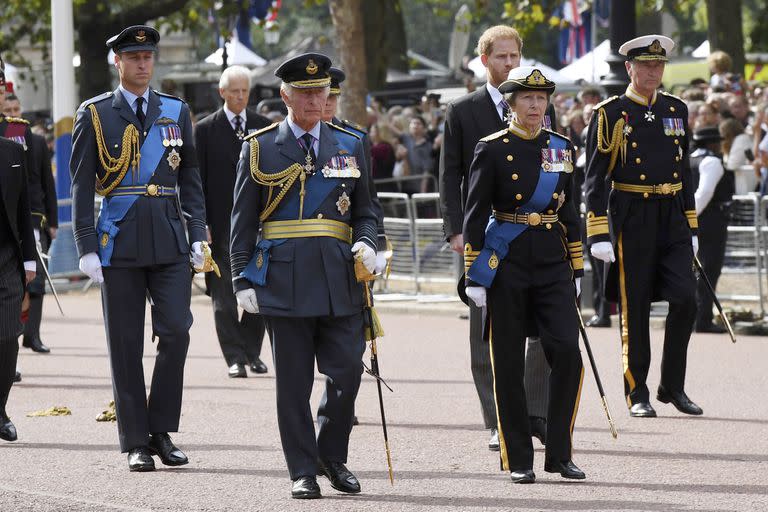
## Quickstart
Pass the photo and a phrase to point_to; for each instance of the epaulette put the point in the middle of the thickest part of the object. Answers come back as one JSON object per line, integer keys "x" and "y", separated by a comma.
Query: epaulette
{"x": 16, "y": 120}
{"x": 96, "y": 99}
{"x": 605, "y": 102}
{"x": 553, "y": 132}
{"x": 343, "y": 130}
{"x": 665, "y": 93}
{"x": 494, "y": 136}
{"x": 262, "y": 130}
{"x": 354, "y": 125}
{"x": 168, "y": 95}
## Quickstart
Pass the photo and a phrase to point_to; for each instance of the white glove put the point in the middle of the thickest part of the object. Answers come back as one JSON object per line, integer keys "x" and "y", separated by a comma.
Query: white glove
{"x": 246, "y": 299}
{"x": 368, "y": 255}
{"x": 477, "y": 294}
{"x": 197, "y": 257}
{"x": 603, "y": 251}
{"x": 695, "y": 243}
{"x": 36, "y": 232}
{"x": 90, "y": 265}
{"x": 578, "y": 287}
{"x": 381, "y": 262}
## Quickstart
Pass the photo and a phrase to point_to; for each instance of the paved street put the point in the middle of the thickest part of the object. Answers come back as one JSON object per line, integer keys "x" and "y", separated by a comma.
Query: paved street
{"x": 713, "y": 463}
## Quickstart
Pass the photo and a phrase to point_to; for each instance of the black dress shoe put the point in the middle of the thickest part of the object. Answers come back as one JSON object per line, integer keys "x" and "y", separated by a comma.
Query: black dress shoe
{"x": 305, "y": 488}
{"x": 237, "y": 371}
{"x": 493, "y": 442}
{"x": 139, "y": 459}
{"x": 161, "y": 445}
{"x": 7, "y": 428}
{"x": 258, "y": 366}
{"x": 711, "y": 328}
{"x": 36, "y": 345}
{"x": 340, "y": 477}
{"x": 526, "y": 476}
{"x": 599, "y": 321}
{"x": 539, "y": 428}
{"x": 680, "y": 400}
{"x": 642, "y": 410}
{"x": 17, "y": 377}
{"x": 567, "y": 469}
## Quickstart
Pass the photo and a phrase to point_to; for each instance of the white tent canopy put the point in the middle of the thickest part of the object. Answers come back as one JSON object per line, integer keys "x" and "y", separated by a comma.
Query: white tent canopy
{"x": 702, "y": 52}
{"x": 590, "y": 67}
{"x": 476, "y": 66}
{"x": 237, "y": 53}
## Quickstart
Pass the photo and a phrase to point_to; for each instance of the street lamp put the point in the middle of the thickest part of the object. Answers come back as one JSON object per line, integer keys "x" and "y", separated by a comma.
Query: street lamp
{"x": 622, "y": 28}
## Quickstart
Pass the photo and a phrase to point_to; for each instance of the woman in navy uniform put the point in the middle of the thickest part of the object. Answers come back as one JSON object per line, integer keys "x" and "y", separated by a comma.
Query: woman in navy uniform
{"x": 528, "y": 261}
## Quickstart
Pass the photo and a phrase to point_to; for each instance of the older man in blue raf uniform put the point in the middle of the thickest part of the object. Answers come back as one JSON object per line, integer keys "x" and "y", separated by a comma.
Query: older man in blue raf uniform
{"x": 134, "y": 147}
{"x": 641, "y": 220}
{"x": 304, "y": 184}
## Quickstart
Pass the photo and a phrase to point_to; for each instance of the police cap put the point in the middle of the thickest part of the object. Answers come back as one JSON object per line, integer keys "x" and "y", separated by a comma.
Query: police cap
{"x": 706, "y": 135}
{"x": 134, "y": 39}
{"x": 306, "y": 71}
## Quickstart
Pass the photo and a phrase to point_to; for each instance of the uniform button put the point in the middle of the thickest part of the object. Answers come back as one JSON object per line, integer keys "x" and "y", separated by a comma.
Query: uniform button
{"x": 634, "y": 144}
{"x": 645, "y": 195}
{"x": 642, "y": 177}
{"x": 145, "y": 134}
{"x": 116, "y": 145}
{"x": 677, "y": 159}
{"x": 505, "y": 140}
{"x": 549, "y": 226}
{"x": 555, "y": 195}
{"x": 319, "y": 215}
{"x": 677, "y": 141}
{"x": 671, "y": 109}
{"x": 515, "y": 176}
{"x": 519, "y": 196}
{"x": 623, "y": 113}
{"x": 343, "y": 185}
{"x": 550, "y": 212}
{"x": 510, "y": 158}
{"x": 674, "y": 174}
{"x": 548, "y": 141}
{"x": 637, "y": 160}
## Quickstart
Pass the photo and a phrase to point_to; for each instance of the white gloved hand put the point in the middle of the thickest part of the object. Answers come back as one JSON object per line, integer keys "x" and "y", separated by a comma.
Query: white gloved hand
{"x": 246, "y": 299}
{"x": 578, "y": 287}
{"x": 695, "y": 243}
{"x": 381, "y": 262}
{"x": 90, "y": 265}
{"x": 197, "y": 257}
{"x": 368, "y": 255}
{"x": 603, "y": 251}
{"x": 477, "y": 294}
{"x": 36, "y": 232}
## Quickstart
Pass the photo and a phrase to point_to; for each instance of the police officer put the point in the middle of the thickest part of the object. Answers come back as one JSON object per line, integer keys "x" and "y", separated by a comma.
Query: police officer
{"x": 523, "y": 175}
{"x": 134, "y": 147}
{"x": 715, "y": 187}
{"x": 305, "y": 185}
{"x": 641, "y": 220}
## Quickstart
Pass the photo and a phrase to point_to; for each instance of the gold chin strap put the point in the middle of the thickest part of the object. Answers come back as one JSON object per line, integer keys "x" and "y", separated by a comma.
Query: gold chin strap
{"x": 110, "y": 164}
{"x": 283, "y": 179}
{"x": 614, "y": 142}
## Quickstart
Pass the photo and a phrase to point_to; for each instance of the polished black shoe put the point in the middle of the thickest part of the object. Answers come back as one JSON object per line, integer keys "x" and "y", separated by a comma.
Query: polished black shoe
{"x": 36, "y": 345}
{"x": 305, "y": 488}
{"x": 161, "y": 445}
{"x": 680, "y": 400}
{"x": 237, "y": 371}
{"x": 340, "y": 477}
{"x": 140, "y": 459}
{"x": 7, "y": 428}
{"x": 711, "y": 328}
{"x": 642, "y": 410}
{"x": 539, "y": 428}
{"x": 526, "y": 476}
{"x": 258, "y": 366}
{"x": 567, "y": 469}
{"x": 599, "y": 321}
{"x": 493, "y": 442}
{"x": 17, "y": 377}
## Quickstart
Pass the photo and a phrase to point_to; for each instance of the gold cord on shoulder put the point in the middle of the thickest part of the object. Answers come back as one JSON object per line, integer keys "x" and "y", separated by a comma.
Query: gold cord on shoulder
{"x": 283, "y": 179}
{"x": 110, "y": 164}
{"x": 611, "y": 142}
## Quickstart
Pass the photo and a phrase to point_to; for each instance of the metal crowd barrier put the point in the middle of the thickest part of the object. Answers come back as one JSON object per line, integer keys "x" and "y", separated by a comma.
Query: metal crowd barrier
{"x": 746, "y": 245}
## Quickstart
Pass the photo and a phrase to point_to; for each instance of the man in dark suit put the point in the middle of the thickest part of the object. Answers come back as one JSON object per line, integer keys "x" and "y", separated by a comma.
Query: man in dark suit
{"x": 305, "y": 185}
{"x": 134, "y": 147}
{"x": 467, "y": 120}
{"x": 218, "y": 139}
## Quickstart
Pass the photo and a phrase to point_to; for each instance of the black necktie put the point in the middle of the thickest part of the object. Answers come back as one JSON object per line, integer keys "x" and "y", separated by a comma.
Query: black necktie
{"x": 140, "y": 110}
{"x": 504, "y": 111}
{"x": 308, "y": 139}
{"x": 239, "y": 127}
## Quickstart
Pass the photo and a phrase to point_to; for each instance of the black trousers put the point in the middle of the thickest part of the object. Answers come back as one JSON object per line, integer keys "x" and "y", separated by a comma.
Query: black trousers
{"x": 11, "y": 295}
{"x": 601, "y": 304}
{"x": 337, "y": 344}
{"x": 240, "y": 338}
{"x": 36, "y": 290}
{"x": 655, "y": 260}
{"x": 553, "y": 308}
{"x": 713, "y": 234}
{"x": 124, "y": 297}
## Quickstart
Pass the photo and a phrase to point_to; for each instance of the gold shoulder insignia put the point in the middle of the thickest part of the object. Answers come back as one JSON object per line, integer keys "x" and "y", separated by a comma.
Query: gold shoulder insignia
{"x": 494, "y": 136}
{"x": 604, "y": 102}
{"x": 343, "y": 130}
{"x": 665, "y": 93}
{"x": 259, "y": 132}
{"x": 16, "y": 120}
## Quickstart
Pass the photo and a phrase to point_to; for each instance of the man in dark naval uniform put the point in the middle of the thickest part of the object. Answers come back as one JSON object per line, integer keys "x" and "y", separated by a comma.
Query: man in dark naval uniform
{"x": 641, "y": 220}
{"x": 134, "y": 147}
{"x": 305, "y": 185}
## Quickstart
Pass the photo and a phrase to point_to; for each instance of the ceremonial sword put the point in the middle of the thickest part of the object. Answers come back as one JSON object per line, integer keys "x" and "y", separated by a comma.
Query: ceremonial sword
{"x": 583, "y": 330}
{"x": 42, "y": 257}
{"x": 711, "y": 289}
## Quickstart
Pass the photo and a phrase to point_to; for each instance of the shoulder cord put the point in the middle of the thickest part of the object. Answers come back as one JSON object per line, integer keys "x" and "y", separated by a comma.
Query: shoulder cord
{"x": 110, "y": 164}
{"x": 283, "y": 179}
{"x": 612, "y": 143}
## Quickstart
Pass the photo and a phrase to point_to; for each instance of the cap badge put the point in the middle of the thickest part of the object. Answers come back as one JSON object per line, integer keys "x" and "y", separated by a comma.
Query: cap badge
{"x": 535, "y": 78}
{"x": 141, "y": 36}
{"x": 655, "y": 47}
{"x": 311, "y": 68}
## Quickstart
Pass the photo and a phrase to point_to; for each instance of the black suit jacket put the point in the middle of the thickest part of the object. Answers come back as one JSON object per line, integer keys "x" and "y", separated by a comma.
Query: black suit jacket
{"x": 15, "y": 199}
{"x": 218, "y": 150}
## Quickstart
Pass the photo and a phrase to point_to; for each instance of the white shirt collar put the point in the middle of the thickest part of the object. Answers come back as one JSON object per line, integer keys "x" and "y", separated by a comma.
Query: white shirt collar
{"x": 231, "y": 116}
{"x": 496, "y": 96}
{"x": 298, "y": 131}
{"x": 131, "y": 98}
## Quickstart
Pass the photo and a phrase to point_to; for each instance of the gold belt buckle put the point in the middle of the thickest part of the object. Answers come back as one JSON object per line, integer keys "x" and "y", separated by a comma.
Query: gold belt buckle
{"x": 666, "y": 188}
{"x": 534, "y": 219}
{"x": 152, "y": 190}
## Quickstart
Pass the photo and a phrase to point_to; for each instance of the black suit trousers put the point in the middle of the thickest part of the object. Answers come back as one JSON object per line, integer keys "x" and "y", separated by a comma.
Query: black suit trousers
{"x": 713, "y": 235}
{"x": 124, "y": 297}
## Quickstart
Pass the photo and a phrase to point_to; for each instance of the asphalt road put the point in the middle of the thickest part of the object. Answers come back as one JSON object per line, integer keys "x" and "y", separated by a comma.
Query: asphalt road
{"x": 712, "y": 463}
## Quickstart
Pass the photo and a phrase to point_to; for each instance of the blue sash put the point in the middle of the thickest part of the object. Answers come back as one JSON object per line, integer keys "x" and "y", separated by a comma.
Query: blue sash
{"x": 498, "y": 235}
{"x": 114, "y": 208}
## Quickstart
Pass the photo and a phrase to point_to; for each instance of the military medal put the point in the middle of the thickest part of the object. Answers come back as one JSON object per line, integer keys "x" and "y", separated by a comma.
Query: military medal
{"x": 343, "y": 203}
{"x": 174, "y": 159}
{"x": 164, "y": 133}
{"x": 650, "y": 116}
{"x": 308, "y": 166}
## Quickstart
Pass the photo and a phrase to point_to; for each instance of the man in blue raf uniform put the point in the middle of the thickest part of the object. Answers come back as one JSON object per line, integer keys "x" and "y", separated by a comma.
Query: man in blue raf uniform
{"x": 134, "y": 147}
{"x": 305, "y": 185}
{"x": 641, "y": 220}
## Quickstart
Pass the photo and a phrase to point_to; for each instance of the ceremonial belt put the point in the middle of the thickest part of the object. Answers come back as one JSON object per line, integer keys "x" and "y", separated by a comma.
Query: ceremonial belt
{"x": 307, "y": 228}
{"x": 662, "y": 189}
{"x": 529, "y": 219}
{"x": 150, "y": 190}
